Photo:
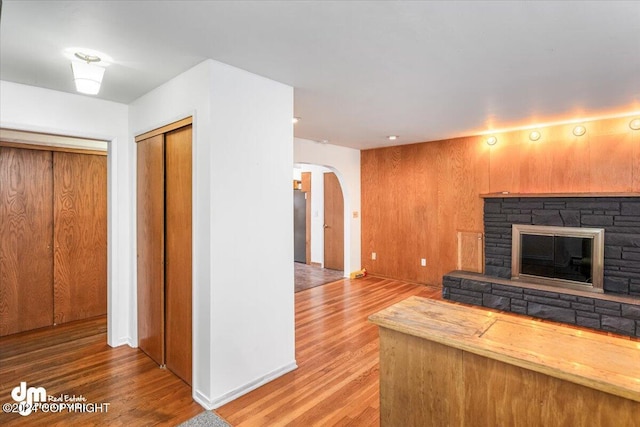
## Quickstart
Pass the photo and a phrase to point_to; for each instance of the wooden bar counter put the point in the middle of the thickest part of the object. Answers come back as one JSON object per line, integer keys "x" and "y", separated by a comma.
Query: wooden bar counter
{"x": 444, "y": 364}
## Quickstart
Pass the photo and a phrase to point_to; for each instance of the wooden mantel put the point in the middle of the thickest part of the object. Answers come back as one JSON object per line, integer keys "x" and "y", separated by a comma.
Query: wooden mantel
{"x": 443, "y": 363}
{"x": 507, "y": 194}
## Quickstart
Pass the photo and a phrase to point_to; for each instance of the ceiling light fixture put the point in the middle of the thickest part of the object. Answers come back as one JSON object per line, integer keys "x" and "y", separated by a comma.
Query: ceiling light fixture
{"x": 534, "y": 135}
{"x": 492, "y": 140}
{"x": 579, "y": 130}
{"x": 87, "y": 75}
{"x": 392, "y": 137}
{"x": 635, "y": 124}
{"x": 295, "y": 120}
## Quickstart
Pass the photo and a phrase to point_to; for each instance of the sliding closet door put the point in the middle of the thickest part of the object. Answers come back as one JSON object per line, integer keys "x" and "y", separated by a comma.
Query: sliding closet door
{"x": 80, "y": 236}
{"x": 150, "y": 239}
{"x": 178, "y": 251}
{"x": 26, "y": 230}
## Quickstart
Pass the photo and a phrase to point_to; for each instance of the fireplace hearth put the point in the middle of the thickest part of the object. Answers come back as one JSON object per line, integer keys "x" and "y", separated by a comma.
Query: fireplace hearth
{"x": 619, "y": 217}
{"x": 608, "y": 224}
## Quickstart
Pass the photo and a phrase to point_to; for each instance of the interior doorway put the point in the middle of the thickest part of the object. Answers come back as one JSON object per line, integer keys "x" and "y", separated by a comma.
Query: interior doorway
{"x": 53, "y": 230}
{"x": 318, "y": 226}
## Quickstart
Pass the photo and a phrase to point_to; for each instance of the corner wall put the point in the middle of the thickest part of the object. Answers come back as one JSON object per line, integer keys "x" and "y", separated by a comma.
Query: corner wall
{"x": 416, "y": 197}
{"x": 243, "y": 313}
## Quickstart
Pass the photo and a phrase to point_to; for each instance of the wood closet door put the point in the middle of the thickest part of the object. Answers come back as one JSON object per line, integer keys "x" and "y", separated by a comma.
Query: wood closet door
{"x": 178, "y": 269}
{"x": 26, "y": 233}
{"x": 150, "y": 242}
{"x": 80, "y": 236}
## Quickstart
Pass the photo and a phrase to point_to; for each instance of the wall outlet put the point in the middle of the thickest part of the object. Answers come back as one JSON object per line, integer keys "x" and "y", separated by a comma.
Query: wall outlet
{"x": 423, "y": 262}
{"x": 373, "y": 256}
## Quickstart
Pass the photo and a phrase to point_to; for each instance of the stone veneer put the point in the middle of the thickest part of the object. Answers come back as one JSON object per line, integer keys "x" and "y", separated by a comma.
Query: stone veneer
{"x": 617, "y": 310}
{"x": 614, "y": 314}
{"x": 618, "y": 216}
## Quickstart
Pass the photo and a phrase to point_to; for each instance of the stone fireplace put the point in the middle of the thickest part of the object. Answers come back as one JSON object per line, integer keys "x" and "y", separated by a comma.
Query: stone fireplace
{"x": 617, "y": 309}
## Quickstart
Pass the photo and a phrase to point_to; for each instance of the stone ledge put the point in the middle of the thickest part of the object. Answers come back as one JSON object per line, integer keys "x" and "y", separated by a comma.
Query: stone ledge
{"x": 613, "y": 313}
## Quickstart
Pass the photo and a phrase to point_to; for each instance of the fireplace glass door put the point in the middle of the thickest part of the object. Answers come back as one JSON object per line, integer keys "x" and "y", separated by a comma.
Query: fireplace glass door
{"x": 557, "y": 257}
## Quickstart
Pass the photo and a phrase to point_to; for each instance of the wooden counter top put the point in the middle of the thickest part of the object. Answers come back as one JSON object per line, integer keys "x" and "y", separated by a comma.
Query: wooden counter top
{"x": 598, "y": 361}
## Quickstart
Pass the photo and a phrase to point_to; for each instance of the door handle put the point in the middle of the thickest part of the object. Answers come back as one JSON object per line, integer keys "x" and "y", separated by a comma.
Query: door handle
{"x": 326, "y": 226}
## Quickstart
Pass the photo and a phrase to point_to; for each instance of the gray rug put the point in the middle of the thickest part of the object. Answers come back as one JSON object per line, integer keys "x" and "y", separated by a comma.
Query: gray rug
{"x": 205, "y": 419}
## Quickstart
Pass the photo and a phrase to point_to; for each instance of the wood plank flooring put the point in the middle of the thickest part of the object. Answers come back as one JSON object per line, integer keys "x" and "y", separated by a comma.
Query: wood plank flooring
{"x": 337, "y": 381}
{"x": 74, "y": 359}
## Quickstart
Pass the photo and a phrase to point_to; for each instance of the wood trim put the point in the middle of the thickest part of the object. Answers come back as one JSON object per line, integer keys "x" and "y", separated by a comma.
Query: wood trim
{"x": 506, "y": 195}
{"x": 26, "y": 146}
{"x": 166, "y": 128}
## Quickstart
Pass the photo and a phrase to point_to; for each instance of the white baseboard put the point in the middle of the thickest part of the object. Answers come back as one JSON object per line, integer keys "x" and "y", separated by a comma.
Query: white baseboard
{"x": 124, "y": 341}
{"x": 210, "y": 404}
{"x": 202, "y": 400}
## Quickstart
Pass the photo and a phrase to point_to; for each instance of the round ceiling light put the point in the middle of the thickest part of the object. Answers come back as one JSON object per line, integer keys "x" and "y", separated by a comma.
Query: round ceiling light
{"x": 534, "y": 135}
{"x": 392, "y": 137}
{"x": 492, "y": 140}
{"x": 635, "y": 124}
{"x": 579, "y": 130}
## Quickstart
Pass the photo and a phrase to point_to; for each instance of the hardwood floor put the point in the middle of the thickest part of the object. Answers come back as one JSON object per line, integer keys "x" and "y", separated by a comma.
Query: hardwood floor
{"x": 74, "y": 359}
{"x": 336, "y": 383}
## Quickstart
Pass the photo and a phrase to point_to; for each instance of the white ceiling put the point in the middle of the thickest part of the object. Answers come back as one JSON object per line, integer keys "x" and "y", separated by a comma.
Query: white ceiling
{"x": 361, "y": 69}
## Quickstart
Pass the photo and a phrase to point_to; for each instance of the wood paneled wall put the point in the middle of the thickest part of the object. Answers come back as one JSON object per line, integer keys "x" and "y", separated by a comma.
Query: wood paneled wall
{"x": 415, "y": 198}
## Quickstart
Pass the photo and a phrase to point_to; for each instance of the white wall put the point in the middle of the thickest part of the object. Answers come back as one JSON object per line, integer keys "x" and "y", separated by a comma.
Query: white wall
{"x": 35, "y": 109}
{"x": 243, "y": 324}
{"x": 345, "y": 162}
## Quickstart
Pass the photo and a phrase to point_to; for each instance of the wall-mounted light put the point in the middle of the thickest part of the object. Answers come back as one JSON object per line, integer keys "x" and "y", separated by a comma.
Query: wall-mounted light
{"x": 87, "y": 75}
{"x": 534, "y": 135}
{"x": 295, "y": 120}
{"x": 392, "y": 137}
{"x": 635, "y": 124}
{"x": 492, "y": 140}
{"x": 579, "y": 130}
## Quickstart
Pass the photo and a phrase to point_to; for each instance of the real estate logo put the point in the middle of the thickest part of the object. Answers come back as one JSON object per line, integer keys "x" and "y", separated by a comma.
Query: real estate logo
{"x": 27, "y": 397}
{"x": 33, "y": 399}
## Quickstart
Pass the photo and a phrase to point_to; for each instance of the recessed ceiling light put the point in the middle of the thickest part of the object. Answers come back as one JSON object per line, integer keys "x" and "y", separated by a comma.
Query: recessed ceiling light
{"x": 635, "y": 124}
{"x": 295, "y": 120}
{"x": 492, "y": 140}
{"x": 324, "y": 141}
{"x": 579, "y": 130}
{"x": 534, "y": 135}
{"x": 392, "y": 137}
